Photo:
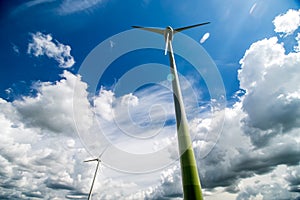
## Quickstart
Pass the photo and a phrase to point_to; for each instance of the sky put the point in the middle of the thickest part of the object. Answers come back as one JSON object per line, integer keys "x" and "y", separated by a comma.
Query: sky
{"x": 77, "y": 80}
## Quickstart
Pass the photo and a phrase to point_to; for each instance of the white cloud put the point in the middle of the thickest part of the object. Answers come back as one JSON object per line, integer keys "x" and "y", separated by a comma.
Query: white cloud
{"x": 129, "y": 100}
{"x": 297, "y": 47}
{"x": 112, "y": 44}
{"x": 40, "y": 156}
{"x": 256, "y": 156}
{"x": 103, "y": 104}
{"x": 266, "y": 192}
{"x": 30, "y": 4}
{"x": 15, "y": 48}
{"x": 43, "y": 44}
{"x": 287, "y": 23}
{"x": 138, "y": 115}
{"x": 269, "y": 76}
{"x": 59, "y": 171}
{"x": 72, "y": 6}
{"x": 261, "y": 132}
{"x": 52, "y": 108}
{"x": 29, "y": 159}
{"x": 170, "y": 185}
{"x": 63, "y": 7}
{"x": 235, "y": 158}
{"x": 204, "y": 38}
{"x": 269, "y": 186}
{"x": 32, "y": 125}
{"x": 252, "y": 8}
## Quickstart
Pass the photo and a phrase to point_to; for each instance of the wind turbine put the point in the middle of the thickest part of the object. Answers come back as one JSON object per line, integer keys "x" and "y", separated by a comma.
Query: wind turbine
{"x": 189, "y": 172}
{"x": 98, "y": 162}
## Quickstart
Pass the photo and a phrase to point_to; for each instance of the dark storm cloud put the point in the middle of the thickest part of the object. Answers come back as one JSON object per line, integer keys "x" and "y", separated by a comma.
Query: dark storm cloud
{"x": 8, "y": 185}
{"x": 76, "y": 195}
{"x": 258, "y": 137}
{"x": 33, "y": 195}
{"x": 295, "y": 189}
{"x": 227, "y": 165}
{"x": 57, "y": 186}
{"x": 293, "y": 178}
{"x": 10, "y": 197}
{"x": 4, "y": 197}
{"x": 232, "y": 189}
{"x": 261, "y": 164}
{"x": 278, "y": 114}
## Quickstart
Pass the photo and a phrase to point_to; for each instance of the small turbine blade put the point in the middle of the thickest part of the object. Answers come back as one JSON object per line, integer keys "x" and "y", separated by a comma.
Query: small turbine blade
{"x": 188, "y": 27}
{"x": 167, "y": 43}
{"x": 96, "y": 159}
{"x": 155, "y": 30}
{"x": 104, "y": 151}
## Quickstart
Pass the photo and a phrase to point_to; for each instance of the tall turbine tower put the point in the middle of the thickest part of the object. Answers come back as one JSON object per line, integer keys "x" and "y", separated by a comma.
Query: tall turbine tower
{"x": 189, "y": 172}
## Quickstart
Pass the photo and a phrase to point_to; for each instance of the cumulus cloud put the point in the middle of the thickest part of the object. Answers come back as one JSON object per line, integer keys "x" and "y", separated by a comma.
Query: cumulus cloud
{"x": 40, "y": 156}
{"x": 59, "y": 172}
{"x": 261, "y": 132}
{"x": 43, "y": 44}
{"x": 103, "y": 104}
{"x": 293, "y": 178}
{"x": 129, "y": 100}
{"x": 170, "y": 186}
{"x": 31, "y": 165}
{"x": 268, "y": 115}
{"x": 297, "y": 47}
{"x": 267, "y": 191}
{"x": 288, "y": 22}
{"x": 39, "y": 145}
{"x": 234, "y": 158}
{"x": 272, "y": 99}
{"x": 32, "y": 125}
{"x": 260, "y": 135}
{"x": 52, "y": 108}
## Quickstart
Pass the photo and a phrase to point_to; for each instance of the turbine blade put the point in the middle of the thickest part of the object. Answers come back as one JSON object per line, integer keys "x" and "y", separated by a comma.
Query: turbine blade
{"x": 188, "y": 27}
{"x": 104, "y": 151}
{"x": 167, "y": 43}
{"x": 155, "y": 30}
{"x": 100, "y": 168}
{"x": 96, "y": 159}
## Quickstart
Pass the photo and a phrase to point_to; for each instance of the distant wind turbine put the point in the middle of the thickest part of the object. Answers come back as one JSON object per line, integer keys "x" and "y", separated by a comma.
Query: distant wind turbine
{"x": 98, "y": 162}
{"x": 190, "y": 178}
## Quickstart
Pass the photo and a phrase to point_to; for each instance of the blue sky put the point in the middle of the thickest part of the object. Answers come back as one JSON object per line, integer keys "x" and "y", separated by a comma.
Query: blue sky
{"x": 233, "y": 23}
{"x": 52, "y": 118}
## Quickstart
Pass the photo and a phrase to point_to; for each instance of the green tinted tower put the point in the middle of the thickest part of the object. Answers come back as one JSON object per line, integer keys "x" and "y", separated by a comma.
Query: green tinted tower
{"x": 189, "y": 172}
